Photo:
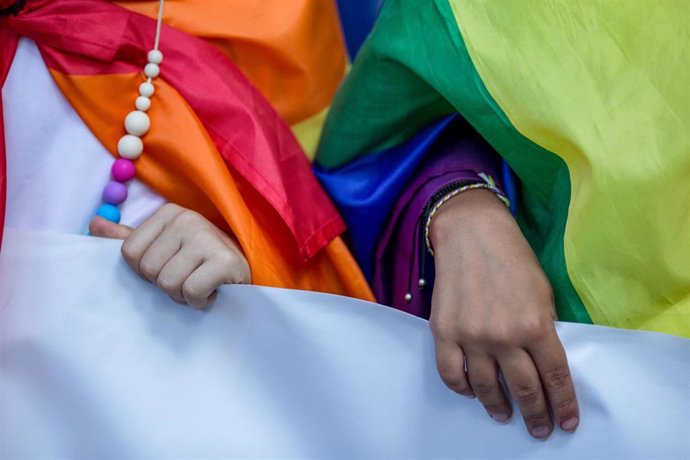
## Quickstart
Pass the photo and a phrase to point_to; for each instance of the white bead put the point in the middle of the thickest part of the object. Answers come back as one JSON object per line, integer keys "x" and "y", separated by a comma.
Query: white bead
{"x": 155, "y": 57}
{"x": 147, "y": 89}
{"x": 130, "y": 147}
{"x": 152, "y": 70}
{"x": 143, "y": 103}
{"x": 137, "y": 123}
{"x": 408, "y": 298}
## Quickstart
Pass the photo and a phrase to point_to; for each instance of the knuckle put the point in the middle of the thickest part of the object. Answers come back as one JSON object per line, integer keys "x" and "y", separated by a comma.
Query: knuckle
{"x": 527, "y": 394}
{"x": 442, "y": 329}
{"x": 201, "y": 238}
{"x": 564, "y": 405}
{"x": 495, "y": 339}
{"x": 484, "y": 389}
{"x": 558, "y": 379}
{"x": 167, "y": 285}
{"x": 235, "y": 266}
{"x": 500, "y": 339}
{"x": 228, "y": 260}
{"x": 473, "y": 334}
{"x": 454, "y": 379}
{"x": 148, "y": 269}
{"x": 129, "y": 252}
{"x": 485, "y": 335}
{"x": 186, "y": 218}
{"x": 192, "y": 292}
{"x": 470, "y": 336}
{"x": 451, "y": 367}
{"x": 170, "y": 208}
{"x": 537, "y": 419}
{"x": 536, "y": 329}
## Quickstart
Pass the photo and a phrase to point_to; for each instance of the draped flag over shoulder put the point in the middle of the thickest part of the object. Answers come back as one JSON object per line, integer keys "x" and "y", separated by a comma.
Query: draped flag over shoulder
{"x": 588, "y": 102}
{"x": 293, "y": 52}
{"x": 220, "y": 144}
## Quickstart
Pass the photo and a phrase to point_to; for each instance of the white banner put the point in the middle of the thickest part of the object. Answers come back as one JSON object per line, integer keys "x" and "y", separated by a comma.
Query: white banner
{"x": 96, "y": 363}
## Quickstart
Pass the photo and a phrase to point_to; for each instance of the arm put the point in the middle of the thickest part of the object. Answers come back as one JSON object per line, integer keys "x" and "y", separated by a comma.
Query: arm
{"x": 491, "y": 309}
{"x": 458, "y": 155}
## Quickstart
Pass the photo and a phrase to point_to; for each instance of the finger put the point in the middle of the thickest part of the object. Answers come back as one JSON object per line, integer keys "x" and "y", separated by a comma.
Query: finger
{"x": 523, "y": 382}
{"x": 199, "y": 288}
{"x": 106, "y": 229}
{"x": 138, "y": 242}
{"x": 482, "y": 371}
{"x": 158, "y": 254}
{"x": 173, "y": 275}
{"x": 552, "y": 365}
{"x": 450, "y": 361}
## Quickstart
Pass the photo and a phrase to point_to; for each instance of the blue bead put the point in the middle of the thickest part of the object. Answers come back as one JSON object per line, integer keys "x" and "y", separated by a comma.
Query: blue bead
{"x": 109, "y": 212}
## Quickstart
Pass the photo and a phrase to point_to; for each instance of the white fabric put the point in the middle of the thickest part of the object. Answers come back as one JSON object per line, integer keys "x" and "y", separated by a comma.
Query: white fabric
{"x": 56, "y": 168}
{"x": 96, "y": 363}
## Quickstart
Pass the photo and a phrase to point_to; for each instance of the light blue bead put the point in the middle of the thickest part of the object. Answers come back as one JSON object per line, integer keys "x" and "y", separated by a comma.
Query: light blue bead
{"x": 109, "y": 212}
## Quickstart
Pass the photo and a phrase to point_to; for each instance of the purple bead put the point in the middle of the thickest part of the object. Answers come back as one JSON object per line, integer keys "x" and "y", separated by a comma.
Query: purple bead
{"x": 123, "y": 170}
{"x": 114, "y": 193}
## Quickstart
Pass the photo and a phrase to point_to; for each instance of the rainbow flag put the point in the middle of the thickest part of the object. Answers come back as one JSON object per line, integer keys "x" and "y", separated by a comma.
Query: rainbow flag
{"x": 587, "y": 101}
{"x": 244, "y": 92}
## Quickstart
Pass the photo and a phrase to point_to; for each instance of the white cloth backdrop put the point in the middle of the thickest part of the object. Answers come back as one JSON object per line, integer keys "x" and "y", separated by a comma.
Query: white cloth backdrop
{"x": 95, "y": 363}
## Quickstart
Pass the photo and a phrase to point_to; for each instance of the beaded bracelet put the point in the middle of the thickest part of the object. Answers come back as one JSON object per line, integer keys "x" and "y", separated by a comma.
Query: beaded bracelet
{"x": 488, "y": 184}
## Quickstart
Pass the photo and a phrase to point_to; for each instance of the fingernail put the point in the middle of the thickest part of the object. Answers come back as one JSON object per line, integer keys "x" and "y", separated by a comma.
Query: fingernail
{"x": 500, "y": 417}
{"x": 541, "y": 432}
{"x": 570, "y": 424}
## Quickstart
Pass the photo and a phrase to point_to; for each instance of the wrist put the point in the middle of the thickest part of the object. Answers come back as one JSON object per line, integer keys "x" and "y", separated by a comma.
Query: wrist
{"x": 473, "y": 207}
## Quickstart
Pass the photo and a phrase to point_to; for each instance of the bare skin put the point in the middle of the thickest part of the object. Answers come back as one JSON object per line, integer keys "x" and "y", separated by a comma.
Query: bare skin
{"x": 181, "y": 252}
{"x": 482, "y": 324}
{"x": 493, "y": 311}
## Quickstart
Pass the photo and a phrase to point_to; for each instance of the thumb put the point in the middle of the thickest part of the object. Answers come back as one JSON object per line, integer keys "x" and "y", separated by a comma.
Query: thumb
{"x": 106, "y": 229}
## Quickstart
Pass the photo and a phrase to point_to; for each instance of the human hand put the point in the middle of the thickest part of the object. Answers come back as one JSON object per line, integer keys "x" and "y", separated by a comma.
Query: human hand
{"x": 181, "y": 252}
{"x": 493, "y": 310}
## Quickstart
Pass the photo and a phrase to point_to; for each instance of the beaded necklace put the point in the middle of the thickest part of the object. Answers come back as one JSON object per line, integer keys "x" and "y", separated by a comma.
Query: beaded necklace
{"x": 137, "y": 124}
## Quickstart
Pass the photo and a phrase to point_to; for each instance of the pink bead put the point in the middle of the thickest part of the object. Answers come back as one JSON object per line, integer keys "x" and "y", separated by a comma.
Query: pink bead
{"x": 123, "y": 170}
{"x": 114, "y": 193}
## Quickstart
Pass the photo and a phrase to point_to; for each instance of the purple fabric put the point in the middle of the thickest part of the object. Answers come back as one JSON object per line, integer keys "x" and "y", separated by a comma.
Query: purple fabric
{"x": 459, "y": 155}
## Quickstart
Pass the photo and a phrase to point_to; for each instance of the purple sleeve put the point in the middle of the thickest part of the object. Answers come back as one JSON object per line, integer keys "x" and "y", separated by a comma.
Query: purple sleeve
{"x": 459, "y": 155}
